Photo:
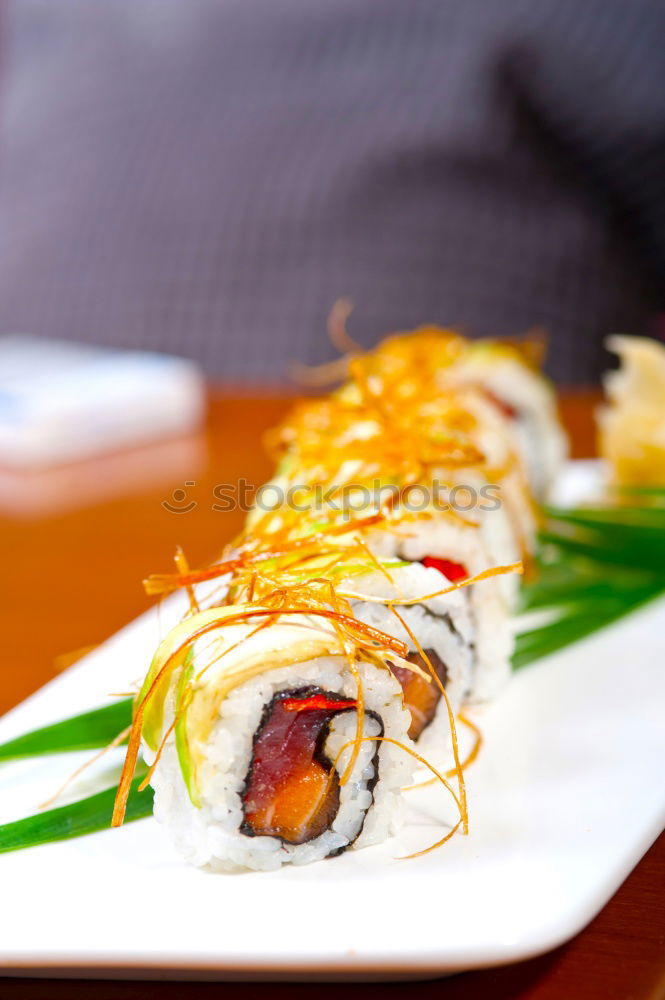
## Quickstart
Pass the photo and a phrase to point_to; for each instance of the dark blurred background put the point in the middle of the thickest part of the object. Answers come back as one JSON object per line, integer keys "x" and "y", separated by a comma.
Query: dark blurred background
{"x": 207, "y": 177}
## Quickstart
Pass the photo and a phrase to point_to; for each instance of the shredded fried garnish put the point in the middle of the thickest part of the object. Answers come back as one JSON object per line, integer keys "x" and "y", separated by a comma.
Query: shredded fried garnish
{"x": 361, "y": 636}
{"x": 458, "y": 585}
{"x": 402, "y": 417}
{"x": 249, "y": 552}
{"x": 477, "y": 742}
{"x": 468, "y": 760}
{"x": 115, "y": 742}
{"x": 183, "y": 568}
{"x": 337, "y": 332}
{"x": 464, "y": 816}
{"x": 422, "y": 354}
{"x": 463, "y": 820}
{"x": 277, "y": 594}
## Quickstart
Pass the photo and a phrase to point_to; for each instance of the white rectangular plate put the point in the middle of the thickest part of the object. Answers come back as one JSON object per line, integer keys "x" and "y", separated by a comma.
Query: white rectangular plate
{"x": 565, "y": 798}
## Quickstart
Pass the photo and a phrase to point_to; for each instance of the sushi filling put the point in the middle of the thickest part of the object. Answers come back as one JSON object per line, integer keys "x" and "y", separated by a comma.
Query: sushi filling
{"x": 453, "y": 571}
{"x": 292, "y": 791}
{"x": 421, "y": 697}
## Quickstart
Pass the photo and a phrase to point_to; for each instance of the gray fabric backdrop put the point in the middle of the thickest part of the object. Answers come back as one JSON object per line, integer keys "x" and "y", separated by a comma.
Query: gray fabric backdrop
{"x": 207, "y": 176}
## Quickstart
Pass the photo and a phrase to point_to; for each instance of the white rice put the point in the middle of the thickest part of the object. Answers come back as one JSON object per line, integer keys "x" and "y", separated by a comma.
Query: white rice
{"x": 209, "y": 836}
{"x": 537, "y": 431}
{"x": 487, "y": 602}
{"x": 510, "y": 528}
{"x": 442, "y": 624}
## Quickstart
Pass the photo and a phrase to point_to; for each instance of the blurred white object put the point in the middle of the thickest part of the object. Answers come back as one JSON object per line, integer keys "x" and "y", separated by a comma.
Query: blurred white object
{"x": 59, "y": 489}
{"x": 60, "y": 401}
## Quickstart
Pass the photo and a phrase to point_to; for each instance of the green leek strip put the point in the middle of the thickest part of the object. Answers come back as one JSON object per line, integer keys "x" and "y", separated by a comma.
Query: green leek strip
{"x": 89, "y": 731}
{"x": 657, "y": 491}
{"x": 645, "y": 555}
{"x": 610, "y": 518}
{"x": 555, "y": 588}
{"x": 183, "y": 697}
{"x": 75, "y": 820}
{"x": 629, "y": 546}
{"x": 579, "y": 621}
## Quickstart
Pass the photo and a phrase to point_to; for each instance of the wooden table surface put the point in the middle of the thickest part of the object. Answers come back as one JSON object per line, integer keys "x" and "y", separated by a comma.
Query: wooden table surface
{"x": 75, "y": 546}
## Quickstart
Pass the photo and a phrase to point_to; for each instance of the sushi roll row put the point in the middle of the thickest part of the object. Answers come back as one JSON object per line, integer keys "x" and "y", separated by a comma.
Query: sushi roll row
{"x": 327, "y": 653}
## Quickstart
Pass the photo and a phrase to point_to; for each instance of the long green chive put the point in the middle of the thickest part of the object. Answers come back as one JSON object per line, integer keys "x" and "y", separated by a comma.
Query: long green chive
{"x": 88, "y": 731}
{"x": 77, "y": 819}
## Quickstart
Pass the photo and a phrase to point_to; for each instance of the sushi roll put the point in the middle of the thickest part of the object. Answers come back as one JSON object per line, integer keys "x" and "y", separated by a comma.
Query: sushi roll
{"x": 507, "y": 372}
{"x": 329, "y": 451}
{"x": 400, "y": 426}
{"x": 268, "y": 739}
{"x": 524, "y": 398}
{"x": 337, "y": 445}
{"x": 439, "y": 636}
{"x": 452, "y": 552}
{"x": 507, "y": 521}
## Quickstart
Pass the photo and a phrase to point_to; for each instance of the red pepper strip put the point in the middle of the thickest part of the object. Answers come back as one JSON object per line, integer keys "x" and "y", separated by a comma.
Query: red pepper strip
{"x": 317, "y": 701}
{"x": 453, "y": 570}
